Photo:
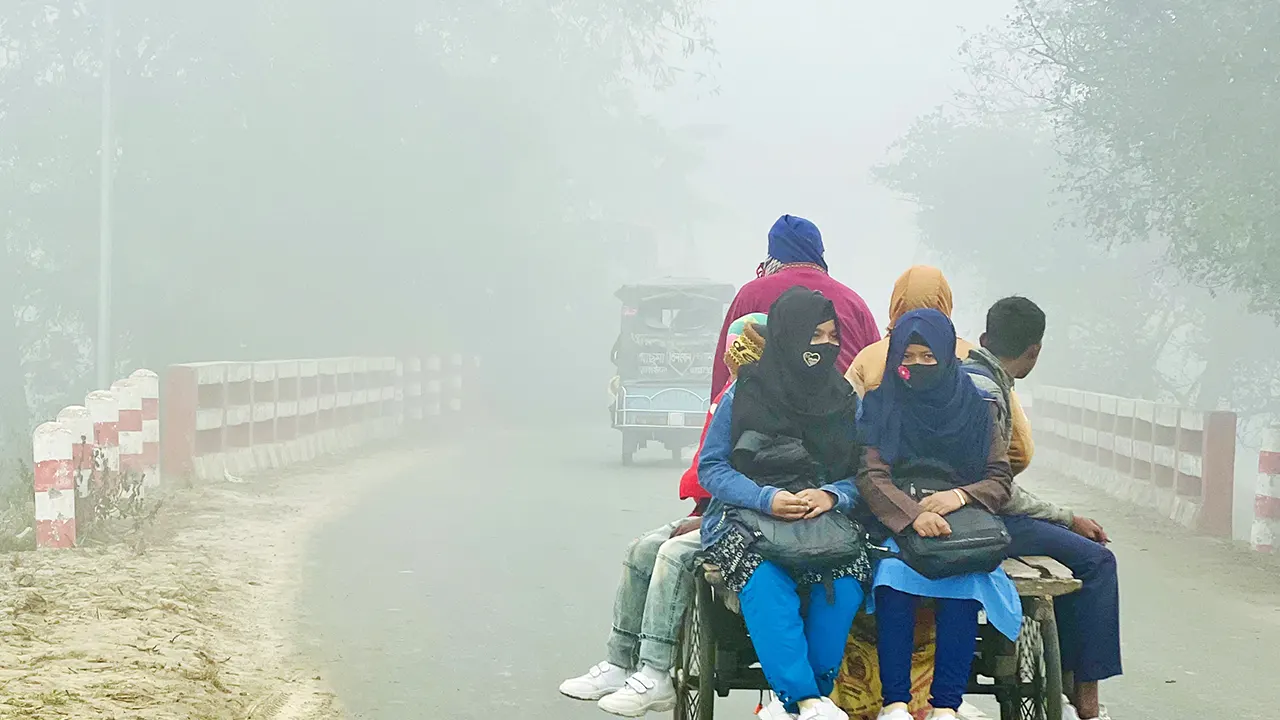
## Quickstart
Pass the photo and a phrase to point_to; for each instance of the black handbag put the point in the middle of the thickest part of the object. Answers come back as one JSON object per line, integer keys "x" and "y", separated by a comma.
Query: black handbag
{"x": 829, "y": 540}
{"x": 978, "y": 542}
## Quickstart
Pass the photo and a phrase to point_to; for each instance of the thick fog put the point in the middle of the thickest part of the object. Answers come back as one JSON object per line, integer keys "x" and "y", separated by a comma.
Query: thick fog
{"x": 324, "y": 178}
{"x": 219, "y": 180}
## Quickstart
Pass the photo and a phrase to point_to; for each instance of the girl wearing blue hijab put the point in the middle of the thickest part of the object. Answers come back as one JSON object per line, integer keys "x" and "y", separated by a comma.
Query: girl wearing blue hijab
{"x": 928, "y": 409}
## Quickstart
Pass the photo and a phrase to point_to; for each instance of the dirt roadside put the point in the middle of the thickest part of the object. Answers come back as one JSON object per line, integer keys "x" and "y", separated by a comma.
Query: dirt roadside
{"x": 191, "y": 618}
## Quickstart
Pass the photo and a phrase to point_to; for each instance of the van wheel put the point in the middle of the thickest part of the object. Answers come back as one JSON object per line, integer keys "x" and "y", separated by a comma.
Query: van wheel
{"x": 628, "y": 450}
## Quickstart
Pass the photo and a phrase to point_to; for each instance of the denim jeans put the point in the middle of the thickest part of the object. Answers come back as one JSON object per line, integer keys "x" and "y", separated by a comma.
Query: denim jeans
{"x": 1088, "y": 620}
{"x": 653, "y": 594}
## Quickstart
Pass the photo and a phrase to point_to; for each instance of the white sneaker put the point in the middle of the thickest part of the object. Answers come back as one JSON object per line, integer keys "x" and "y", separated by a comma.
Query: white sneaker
{"x": 942, "y": 715}
{"x": 774, "y": 710}
{"x": 1069, "y": 711}
{"x": 898, "y": 713}
{"x": 603, "y": 679}
{"x": 644, "y": 692}
{"x": 824, "y": 710}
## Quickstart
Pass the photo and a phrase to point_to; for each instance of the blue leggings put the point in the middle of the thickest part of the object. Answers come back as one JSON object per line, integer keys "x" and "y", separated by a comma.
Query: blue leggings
{"x": 800, "y": 656}
{"x": 957, "y": 640}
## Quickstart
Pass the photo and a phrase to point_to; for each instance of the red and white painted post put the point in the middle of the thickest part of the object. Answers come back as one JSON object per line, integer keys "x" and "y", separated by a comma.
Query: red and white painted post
{"x": 148, "y": 384}
{"x": 129, "y": 425}
{"x": 105, "y": 413}
{"x": 54, "y": 486}
{"x": 1266, "y": 504}
{"x": 75, "y": 418}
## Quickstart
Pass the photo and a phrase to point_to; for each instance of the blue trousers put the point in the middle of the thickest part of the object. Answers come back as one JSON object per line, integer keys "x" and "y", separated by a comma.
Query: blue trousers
{"x": 1089, "y": 619}
{"x": 957, "y": 622}
{"x": 800, "y": 656}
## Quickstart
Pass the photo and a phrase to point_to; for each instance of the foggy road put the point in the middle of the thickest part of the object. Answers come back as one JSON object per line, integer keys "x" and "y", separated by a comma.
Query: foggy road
{"x": 472, "y": 587}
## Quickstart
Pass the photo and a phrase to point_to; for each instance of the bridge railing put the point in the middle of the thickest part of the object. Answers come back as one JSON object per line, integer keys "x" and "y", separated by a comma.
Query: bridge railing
{"x": 225, "y": 419}
{"x": 1178, "y": 461}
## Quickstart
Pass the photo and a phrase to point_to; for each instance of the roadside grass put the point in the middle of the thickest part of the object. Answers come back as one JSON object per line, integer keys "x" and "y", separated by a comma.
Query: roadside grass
{"x": 17, "y": 506}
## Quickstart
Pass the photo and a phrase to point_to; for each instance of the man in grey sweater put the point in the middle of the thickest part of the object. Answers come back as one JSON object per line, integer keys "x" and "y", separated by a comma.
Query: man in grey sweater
{"x": 1088, "y": 620}
{"x": 992, "y": 375}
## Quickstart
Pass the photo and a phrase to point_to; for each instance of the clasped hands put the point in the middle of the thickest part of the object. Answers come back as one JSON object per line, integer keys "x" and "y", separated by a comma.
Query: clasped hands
{"x": 803, "y": 505}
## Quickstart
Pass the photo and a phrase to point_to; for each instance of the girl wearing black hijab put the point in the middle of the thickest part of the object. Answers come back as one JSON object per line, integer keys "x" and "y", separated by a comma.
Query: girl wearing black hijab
{"x": 793, "y": 393}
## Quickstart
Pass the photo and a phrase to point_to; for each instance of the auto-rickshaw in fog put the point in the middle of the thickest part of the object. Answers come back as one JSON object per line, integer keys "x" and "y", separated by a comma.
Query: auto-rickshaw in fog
{"x": 664, "y": 355}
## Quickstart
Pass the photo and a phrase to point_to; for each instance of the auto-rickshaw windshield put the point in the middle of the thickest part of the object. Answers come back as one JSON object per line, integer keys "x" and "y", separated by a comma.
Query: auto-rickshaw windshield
{"x": 680, "y": 313}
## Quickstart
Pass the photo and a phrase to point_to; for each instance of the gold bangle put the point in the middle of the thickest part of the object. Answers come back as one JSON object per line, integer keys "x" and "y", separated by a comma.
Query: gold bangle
{"x": 960, "y": 494}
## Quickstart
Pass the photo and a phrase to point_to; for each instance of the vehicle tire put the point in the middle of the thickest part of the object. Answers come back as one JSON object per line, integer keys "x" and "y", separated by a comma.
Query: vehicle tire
{"x": 1052, "y": 654}
{"x": 1032, "y": 698}
{"x": 695, "y": 688}
{"x": 628, "y": 450}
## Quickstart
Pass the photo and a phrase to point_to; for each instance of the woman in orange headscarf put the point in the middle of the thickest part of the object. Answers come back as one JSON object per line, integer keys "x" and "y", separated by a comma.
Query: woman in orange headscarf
{"x": 921, "y": 287}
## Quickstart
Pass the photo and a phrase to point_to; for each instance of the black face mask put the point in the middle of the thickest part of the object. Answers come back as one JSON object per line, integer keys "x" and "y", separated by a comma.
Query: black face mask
{"x": 920, "y": 377}
{"x": 818, "y": 359}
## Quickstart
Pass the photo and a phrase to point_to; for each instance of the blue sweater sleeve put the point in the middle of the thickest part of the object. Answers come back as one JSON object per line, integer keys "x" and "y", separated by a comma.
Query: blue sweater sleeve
{"x": 715, "y": 473}
{"x": 846, "y": 494}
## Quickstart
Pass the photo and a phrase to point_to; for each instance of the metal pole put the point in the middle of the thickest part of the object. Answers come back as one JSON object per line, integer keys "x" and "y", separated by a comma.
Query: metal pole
{"x": 104, "y": 220}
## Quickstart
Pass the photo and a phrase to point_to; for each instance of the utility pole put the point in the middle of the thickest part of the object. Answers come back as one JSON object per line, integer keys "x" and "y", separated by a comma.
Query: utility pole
{"x": 108, "y": 151}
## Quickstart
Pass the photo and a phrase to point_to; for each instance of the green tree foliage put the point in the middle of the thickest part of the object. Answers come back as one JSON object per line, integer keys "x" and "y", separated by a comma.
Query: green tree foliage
{"x": 987, "y": 203}
{"x": 1120, "y": 321}
{"x": 1164, "y": 114}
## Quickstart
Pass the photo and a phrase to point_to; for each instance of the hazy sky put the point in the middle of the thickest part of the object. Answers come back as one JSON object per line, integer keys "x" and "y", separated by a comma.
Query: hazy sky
{"x": 811, "y": 95}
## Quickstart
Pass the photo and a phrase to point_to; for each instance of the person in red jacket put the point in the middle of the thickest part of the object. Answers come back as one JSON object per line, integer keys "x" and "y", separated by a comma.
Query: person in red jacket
{"x": 798, "y": 257}
{"x": 656, "y": 587}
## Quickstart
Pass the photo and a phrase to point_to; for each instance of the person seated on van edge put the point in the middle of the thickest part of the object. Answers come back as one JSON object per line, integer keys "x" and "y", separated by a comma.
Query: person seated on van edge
{"x": 794, "y": 391}
{"x": 656, "y": 584}
{"x": 921, "y": 287}
{"x": 927, "y": 409}
{"x": 1089, "y": 619}
{"x": 797, "y": 257}
{"x": 924, "y": 287}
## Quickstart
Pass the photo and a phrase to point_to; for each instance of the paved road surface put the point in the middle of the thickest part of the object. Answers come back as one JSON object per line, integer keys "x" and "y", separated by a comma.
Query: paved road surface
{"x": 471, "y": 588}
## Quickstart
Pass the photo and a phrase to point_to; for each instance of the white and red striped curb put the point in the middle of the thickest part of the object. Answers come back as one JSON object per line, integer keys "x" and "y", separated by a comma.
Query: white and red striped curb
{"x": 1266, "y": 502}
{"x": 224, "y": 418}
{"x": 74, "y": 452}
{"x": 1180, "y": 462}
{"x": 236, "y": 418}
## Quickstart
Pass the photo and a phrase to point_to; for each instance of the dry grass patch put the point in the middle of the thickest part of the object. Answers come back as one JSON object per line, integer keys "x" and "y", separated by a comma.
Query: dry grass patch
{"x": 188, "y": 615}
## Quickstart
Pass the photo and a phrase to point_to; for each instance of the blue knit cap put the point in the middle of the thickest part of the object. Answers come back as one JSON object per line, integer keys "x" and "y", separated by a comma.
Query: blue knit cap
{"x": 796, "y": 240}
